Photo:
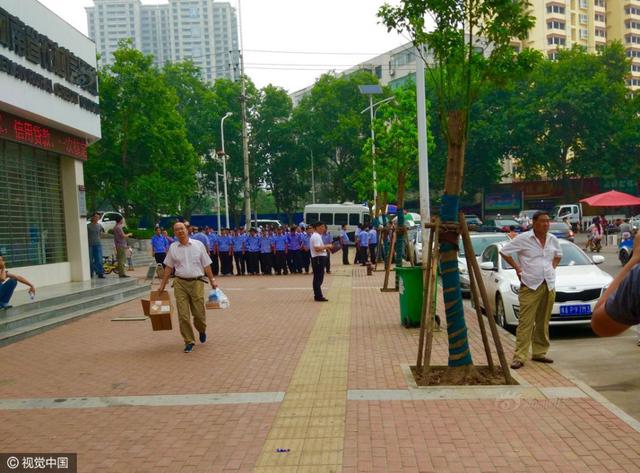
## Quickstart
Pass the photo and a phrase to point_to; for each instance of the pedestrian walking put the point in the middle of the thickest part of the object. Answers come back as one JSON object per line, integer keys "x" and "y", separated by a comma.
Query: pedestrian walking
{"x": 344, "y": 244}
{"x": 120, "y": 242}
{"x": 327, "y": 239}
{"x": 159, "y": 246}
{"x": 373, "y": 244}
{"x": 191, "y": 261}
{"x": 318, "y": 251}
{"x": 538, "y": 254}
{"x": 94, "y": 231}
{"x": 253, "y": 252}
{"x": 8, "y": 284}
{"x": 356, "y": 258}
{"x": 239, "y": 251}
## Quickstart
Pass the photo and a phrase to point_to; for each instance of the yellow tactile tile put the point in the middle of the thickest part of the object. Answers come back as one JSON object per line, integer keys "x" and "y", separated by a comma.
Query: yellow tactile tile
{"x": 310, "y": 421}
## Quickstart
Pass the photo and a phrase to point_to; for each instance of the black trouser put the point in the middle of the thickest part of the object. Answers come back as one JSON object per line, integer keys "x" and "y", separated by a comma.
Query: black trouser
{"x": 356, "y": 258}
{"x": 306, "y": 260}
{"x": 293, "y": 261}
{"x": 241, "y": 266}
{"x": 225, "y": 263}
{"x": 265, "y": 263}
{"x": 363, "y": 250}
{"x": 252, "y": 262}
{"x": 281, "y": 262}
{"x": 215, "y": 267}
{"x": 328, "y": 262}
{"x": 318, "y": 263}
{"x": 160, "y": 258}
{"x": 372, "y": 252}
{"x": 345, "y": 254}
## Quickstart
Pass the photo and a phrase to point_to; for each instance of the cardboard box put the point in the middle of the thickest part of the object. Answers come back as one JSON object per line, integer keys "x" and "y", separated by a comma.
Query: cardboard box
{"x": 146, "y": 306}
{"x": 160, "y": 310}
{"x": 212, "y": 305}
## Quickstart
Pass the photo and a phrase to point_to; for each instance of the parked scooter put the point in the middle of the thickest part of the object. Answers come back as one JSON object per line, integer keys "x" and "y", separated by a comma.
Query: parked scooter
{"x": 625, "y": 248}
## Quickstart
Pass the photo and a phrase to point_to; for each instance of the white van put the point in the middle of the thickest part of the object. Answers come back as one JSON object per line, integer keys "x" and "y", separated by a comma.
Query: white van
{"x": 336, "y": 215}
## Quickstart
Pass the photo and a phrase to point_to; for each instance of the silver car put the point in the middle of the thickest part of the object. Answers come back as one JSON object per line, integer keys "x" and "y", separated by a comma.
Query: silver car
{"x": 479, "y": 241}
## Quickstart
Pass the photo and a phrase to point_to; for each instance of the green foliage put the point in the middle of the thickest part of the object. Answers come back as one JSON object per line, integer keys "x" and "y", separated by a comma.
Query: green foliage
{"x": 144, "y": 163}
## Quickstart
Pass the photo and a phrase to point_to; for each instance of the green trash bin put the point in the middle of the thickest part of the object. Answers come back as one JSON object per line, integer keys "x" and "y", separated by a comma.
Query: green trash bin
{"x": 411, "y": 295}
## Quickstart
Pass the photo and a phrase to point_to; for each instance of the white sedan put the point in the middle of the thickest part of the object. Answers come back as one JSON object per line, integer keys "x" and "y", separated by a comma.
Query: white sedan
{"x": 579, "y": 285}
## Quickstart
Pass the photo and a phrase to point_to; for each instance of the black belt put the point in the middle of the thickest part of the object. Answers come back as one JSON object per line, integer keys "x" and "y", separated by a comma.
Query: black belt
{"x": 190, "y": 279}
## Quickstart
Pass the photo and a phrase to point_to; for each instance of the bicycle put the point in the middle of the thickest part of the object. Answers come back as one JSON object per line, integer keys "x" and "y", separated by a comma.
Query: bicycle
{"x": 109, "y": 264}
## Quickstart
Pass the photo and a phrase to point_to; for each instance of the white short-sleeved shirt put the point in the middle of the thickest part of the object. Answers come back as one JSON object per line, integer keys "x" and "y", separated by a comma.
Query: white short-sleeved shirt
{"x": 316, "y": 240}
{"x": 188, "y": 260}
{"x": 535, "y": 261}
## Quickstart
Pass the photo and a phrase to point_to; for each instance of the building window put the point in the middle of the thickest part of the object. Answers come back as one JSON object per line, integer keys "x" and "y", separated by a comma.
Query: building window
{"x": 632, "y": 39}
{"x": 556, "y": 40}
{"x": 555, "y": 25}
{"x": 601, "y": 33}
{"x": 635, "y": 67}
{"x": 555, "y": 9}
{"x": 633, "y": 82}
{"x": 32, "y": 230}
{"x": 584, "y": 34}
{"x": 583, "y": 3}
{"x": 553, "y": 55}
{"x": 597, "y": 3}
{"x": 632, "y": 11}
{"x": 632, "y": 25}
{"x": 600, "y": 17}
{"x": 583, "y": 19}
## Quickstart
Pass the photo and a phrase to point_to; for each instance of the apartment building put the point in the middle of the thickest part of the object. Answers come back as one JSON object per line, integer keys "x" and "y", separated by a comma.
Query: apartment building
{"x": 587, "y": 23}
{"x": 203, "y": 31}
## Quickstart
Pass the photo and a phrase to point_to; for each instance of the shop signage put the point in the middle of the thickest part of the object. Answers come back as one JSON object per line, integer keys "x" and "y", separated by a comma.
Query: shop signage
{"x": 38, "y": 49}
{"x": 33, "y": 134}
{"x": 502, "y": 201}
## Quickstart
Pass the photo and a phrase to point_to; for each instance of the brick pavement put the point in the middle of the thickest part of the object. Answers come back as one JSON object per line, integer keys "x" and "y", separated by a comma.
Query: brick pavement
{"x": 274, "y": 338}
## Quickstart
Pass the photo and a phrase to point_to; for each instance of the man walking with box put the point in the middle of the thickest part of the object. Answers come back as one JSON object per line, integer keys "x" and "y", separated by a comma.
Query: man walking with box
{"x": 191, "y": 261}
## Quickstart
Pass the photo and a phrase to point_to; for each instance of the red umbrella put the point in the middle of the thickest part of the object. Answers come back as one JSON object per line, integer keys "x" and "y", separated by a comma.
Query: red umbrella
{"x": 612, "y": 199}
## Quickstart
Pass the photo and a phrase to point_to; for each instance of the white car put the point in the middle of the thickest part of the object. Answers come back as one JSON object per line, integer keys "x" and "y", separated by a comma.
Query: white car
{"x": 107, "y": 220}
{"x": 479, "y": 241}
{"x": 579, "y": 285}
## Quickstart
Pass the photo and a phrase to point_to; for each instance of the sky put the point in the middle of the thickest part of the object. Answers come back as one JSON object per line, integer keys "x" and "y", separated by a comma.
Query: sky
{"x": 282, "y": 38}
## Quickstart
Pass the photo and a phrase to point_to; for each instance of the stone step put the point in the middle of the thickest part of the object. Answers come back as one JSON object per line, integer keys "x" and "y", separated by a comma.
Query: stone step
{"x": 27, "y": 324}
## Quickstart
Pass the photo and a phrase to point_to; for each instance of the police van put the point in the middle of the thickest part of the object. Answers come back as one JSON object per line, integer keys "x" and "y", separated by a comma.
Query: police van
{"x": 336, "y": 215}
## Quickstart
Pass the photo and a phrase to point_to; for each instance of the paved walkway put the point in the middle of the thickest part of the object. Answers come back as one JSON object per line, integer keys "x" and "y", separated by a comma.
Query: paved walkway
{"x": 285, "y": 384}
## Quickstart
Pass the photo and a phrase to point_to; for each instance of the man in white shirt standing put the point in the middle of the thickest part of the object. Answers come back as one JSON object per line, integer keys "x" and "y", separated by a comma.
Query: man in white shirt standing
{"x": 319, "y": 258}
{"x": 191, "y": 260}
{"x": 538, "y": 254}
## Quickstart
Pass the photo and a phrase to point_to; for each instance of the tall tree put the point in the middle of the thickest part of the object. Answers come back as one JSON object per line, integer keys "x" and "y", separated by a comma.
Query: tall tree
{"x": 144, "y": 164}
{"x": 463, "y": 65}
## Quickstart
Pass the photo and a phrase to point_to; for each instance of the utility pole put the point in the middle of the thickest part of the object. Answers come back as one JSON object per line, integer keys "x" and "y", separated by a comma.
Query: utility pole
{"x": 245, "y": 135}
{"x": 423, "y": 166}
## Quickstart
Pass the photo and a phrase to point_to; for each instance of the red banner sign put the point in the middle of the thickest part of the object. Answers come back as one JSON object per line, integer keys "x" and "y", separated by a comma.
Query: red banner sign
{"x": 24, "y": 131}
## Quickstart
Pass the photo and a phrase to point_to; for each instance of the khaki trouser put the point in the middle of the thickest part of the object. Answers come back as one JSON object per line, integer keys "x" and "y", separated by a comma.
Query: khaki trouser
{"x": 121, "y": 256}
{"x": 533, "y": 324}
{"x": 190, "y": 297}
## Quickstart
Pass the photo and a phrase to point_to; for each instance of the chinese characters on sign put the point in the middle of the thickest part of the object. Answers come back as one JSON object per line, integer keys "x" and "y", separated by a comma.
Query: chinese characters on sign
{"x": 38, "y": 49}
{"x": 24, "y": 131}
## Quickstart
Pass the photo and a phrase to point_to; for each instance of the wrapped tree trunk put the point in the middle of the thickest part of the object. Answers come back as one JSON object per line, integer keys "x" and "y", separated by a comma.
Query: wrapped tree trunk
{"x": 459, "y": 353}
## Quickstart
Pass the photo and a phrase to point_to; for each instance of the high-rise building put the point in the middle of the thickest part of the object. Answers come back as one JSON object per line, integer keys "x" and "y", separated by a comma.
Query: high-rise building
{"x": 203, "y": 31}
{"x": 587, "y": 23}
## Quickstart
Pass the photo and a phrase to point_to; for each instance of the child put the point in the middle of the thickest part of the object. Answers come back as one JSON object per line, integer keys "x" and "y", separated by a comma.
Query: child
{"x": 8, "y": 283}
{"x": 130, "y": 259}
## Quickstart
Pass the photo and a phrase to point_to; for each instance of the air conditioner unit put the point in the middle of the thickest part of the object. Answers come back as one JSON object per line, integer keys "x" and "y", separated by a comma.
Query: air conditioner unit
{"x": 392, "y": 72}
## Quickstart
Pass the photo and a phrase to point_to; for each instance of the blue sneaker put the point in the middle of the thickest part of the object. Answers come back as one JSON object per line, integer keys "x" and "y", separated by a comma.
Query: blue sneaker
{"x": 188, "y": 348}
{"x": 203, "y": 337}
{"x": 4, "y": 305}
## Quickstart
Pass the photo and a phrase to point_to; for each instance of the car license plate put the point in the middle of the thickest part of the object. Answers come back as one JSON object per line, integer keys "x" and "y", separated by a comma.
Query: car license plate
{"x": 581, "y": 309}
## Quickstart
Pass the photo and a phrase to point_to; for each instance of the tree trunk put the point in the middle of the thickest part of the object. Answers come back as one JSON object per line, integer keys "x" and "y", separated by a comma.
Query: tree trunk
{"x": 459, "y": 353}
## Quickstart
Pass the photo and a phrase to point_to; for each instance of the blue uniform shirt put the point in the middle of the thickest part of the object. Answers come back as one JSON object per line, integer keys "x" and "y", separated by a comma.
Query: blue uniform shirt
{"x": 327, "y": 238}
{"x": 213, "y": 239}
{"x": 364, "y": 238}
{"x": 253, "y": 243}
{"x": 224, "y": 243}
{"x": 344, "y": 237}
{"x": 239, "y": 243}
{"x": 294, "y": 241}
{"x": 373, "y": 237}
{"x": 265, "y": 244}
{"x": 304, "y": 240}
{"x": 281, "y": 242}
{"x": 159, "y": 244}
{"x": 202, "y": 238}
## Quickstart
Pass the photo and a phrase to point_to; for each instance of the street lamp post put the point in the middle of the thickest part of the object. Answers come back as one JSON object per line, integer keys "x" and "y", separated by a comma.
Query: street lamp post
{"x": 372, "y": 90}
{"x": 224, "y": 168}
{"x": 218, "y": 198}
{"x": 313, "y": 180}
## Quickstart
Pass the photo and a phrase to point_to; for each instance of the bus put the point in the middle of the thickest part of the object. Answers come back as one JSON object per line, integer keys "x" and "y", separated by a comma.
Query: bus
{"x": 336, "y": 215}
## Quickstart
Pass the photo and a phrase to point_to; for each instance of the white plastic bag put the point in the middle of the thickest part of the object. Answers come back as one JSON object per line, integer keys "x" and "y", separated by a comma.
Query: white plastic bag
{"x": 216, "y": 296}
